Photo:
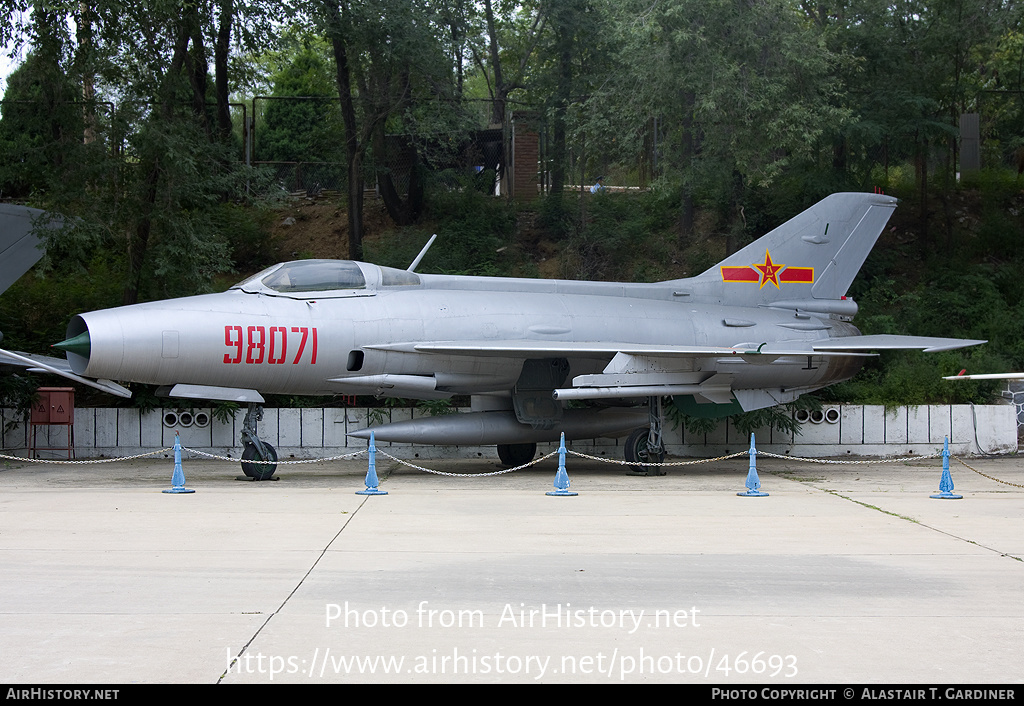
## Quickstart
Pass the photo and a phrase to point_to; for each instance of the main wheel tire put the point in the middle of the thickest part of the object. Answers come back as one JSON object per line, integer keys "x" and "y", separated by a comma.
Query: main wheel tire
{"x": 259, "y": 471}
{"x": 637, "y": 451}
{"x": 512, "y": 455}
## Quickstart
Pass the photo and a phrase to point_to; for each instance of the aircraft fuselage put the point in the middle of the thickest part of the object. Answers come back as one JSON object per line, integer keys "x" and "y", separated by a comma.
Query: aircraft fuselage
{"x": 312, "y": 345}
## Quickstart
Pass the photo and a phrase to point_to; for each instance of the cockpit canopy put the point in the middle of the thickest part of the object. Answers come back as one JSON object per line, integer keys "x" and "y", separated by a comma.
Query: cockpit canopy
{"x": 326, "y": 278}
{"x": 315, "y": 276}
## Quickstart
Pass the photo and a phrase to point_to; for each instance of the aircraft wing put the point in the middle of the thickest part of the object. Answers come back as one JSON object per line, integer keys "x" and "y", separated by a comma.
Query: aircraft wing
{"x": 642, "y": 370}
{"x": 848, "y": 346}
{"x": 58, "y": 366}
{"x": 533, "y": 349}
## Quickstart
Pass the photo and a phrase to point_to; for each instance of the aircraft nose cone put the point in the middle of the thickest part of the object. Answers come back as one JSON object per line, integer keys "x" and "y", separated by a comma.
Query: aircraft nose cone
{"x": 80, "y": 345}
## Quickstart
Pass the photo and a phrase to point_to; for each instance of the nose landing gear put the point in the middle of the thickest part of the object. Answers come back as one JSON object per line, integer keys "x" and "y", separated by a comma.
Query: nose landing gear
{"x": 259, "y": 459}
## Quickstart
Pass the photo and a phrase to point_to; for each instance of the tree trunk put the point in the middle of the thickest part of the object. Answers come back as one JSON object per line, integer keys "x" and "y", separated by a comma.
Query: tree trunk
{"x": 688, "y": 147}
{"x": 563, "y": 91}
{"x": 352, "y": 146}
{"x": 138, "y": 242}
{"x": 197, "y": 68}
{"x": 220, "y": 60}
{"x": 500, "y": 91}
{"x": 738, "y": 224}
{"x": 921, "y": 163}
{"x": 84, "y": 65}
{"x": 405, "y": 211}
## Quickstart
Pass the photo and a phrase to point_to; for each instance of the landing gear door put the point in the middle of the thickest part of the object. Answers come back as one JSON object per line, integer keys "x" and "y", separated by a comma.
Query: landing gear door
{"x": 531, "y": 396}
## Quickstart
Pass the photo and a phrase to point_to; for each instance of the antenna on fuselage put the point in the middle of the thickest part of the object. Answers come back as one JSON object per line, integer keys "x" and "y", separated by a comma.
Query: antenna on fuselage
{"x": 412, "y": 267}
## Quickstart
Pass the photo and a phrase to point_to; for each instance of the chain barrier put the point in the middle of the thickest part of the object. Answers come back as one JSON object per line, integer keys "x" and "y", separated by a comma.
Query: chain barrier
{"x": 278, "y": 463}
{"x": 92, "y": 460}
{"x": 655, "y": 465}
{"x": 1004, "y": 482}
{"x": 896, "y": 459}
{"x": 183, "y": 448}
{"x": 469, "y": 475}
{"x": 503, "y": 471}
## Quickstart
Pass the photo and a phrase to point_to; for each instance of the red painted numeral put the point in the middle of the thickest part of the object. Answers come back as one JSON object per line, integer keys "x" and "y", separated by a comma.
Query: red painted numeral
{"x": 283, "y": 348}
{"x": 302, "y": 344}
{"x": 233, "y": 339}
{"x": 257, "y": 337}
{"x": 272, "y": 345}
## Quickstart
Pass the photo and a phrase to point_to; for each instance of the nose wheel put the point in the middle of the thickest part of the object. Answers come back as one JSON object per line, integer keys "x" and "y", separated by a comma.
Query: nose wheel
{"x": 259, "y": 459}
{"x": 257, "y": 464}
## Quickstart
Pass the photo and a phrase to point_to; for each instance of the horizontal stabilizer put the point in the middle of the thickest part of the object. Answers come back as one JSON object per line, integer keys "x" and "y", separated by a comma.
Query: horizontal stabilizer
{"x": 891, "y": 342}
{"x": 987, "y": 376}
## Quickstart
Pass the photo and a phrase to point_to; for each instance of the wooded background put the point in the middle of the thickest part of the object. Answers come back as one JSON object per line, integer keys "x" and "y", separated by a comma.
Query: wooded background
{"x": 164, "y": 132}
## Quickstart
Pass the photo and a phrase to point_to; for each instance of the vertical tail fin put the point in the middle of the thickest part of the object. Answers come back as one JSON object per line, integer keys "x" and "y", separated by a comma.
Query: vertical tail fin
{"x": 19, "y": 248}
{"x": 814, "y": 255}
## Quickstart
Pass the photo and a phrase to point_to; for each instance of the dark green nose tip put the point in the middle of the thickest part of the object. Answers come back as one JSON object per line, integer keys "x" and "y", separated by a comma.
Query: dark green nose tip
{"x": 80, "y": 345}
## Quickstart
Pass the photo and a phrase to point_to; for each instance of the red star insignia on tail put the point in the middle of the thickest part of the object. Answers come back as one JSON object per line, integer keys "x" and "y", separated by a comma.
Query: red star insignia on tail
{"x": 769, "y": 270}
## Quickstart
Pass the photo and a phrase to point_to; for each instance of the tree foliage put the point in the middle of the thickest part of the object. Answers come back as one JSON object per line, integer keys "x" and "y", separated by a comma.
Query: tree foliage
{"x": 40, "y": 127}
{"x": 742, "y": 92}
{"x": 120, "y": 120}
{"x": 306, "y": 130}
{"x": 132, "y": 140}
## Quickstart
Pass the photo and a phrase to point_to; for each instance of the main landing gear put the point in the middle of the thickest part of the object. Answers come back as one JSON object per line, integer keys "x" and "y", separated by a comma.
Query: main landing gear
{"x": 259, "y": 459}
{"x": 513, "y": 455}
{"x": 645, "y": 445}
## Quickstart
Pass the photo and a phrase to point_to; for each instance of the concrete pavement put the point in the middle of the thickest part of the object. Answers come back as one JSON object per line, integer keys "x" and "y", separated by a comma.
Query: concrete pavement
{"x": 846, "y": 573}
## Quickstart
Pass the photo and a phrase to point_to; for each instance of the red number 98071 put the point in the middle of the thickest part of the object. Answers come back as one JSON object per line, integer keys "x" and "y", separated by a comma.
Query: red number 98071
{"x": 257, "y": 344}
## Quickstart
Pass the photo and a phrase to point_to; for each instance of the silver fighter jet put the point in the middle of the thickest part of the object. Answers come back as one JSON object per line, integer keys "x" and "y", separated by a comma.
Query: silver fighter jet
{"x": 762, "y": 327}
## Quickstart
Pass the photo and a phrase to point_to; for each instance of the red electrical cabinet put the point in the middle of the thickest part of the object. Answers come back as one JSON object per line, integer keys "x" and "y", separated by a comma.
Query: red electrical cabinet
{"x": 54, "y": 407}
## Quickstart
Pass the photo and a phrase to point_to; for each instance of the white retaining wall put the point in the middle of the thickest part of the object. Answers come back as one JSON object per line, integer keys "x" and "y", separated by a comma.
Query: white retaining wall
{"x": 855, "y": 430}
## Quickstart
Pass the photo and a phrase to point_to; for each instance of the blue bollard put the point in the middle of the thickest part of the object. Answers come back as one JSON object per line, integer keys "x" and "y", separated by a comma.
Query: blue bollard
{"x": 753, "y": 482}
{"x": 561, "y": 477}
{"x": 178, "y": 477}
{"x": 946, "y": 482}
{"x": 371, "y": 473}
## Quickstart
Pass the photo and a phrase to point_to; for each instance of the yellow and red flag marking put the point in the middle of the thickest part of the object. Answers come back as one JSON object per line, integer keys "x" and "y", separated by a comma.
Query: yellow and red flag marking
{"x": 740, "y": 274}
{"x": 803, "y": 275}
{"x": 764, "y": 272}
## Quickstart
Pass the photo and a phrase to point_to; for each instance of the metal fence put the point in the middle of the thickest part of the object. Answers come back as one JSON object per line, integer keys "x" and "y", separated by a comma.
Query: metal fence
{"x": 312, "y": 178}
{"x": 301, "y": 140}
